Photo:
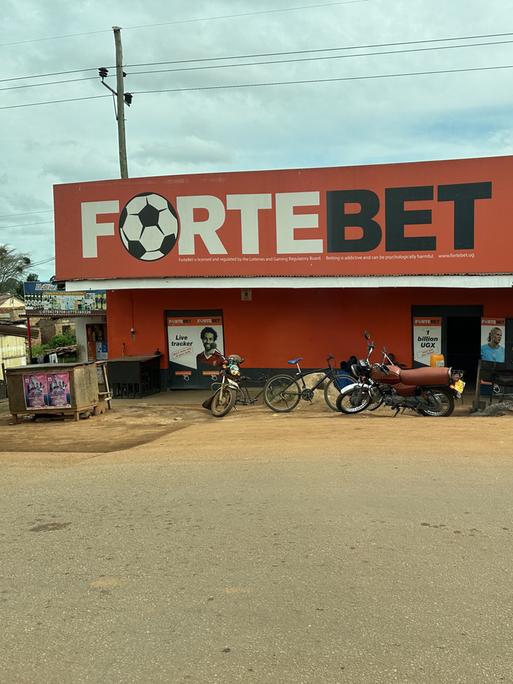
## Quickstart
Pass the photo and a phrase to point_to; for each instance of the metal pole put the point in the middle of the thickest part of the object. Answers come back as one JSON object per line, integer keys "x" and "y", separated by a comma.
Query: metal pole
{"x": 29, "y": 339}
{"x": 123, "y": 164}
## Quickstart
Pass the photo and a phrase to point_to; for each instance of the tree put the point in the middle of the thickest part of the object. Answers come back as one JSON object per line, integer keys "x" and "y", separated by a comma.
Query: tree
{"x": 13, "y": 265}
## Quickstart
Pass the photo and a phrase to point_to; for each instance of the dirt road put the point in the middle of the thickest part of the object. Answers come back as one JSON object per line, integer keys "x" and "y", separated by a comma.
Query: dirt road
{"x": 308, "y": 547}
{"x": 141, "y": 422}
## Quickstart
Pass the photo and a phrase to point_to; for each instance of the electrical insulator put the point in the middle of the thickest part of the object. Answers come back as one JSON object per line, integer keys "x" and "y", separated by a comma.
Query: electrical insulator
{"x": 128, "y": 99}
{"x": 103, "y": 72}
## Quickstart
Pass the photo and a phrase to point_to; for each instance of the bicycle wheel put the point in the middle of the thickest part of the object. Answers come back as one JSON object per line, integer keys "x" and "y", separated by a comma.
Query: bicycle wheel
{"x": 334, "y": 386}
{"x": 223, "y": 401}
{"x": 282, "y": 393}
{"x": 354, "y": 400}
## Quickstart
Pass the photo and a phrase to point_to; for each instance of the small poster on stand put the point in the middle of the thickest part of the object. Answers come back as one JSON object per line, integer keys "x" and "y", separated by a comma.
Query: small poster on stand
{"x": 59, "y": 390}
{"x": 35, "y": 388}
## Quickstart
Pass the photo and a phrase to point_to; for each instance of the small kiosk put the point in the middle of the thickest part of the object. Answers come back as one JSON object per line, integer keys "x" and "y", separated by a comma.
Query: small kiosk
{"x": 57, "y": 389}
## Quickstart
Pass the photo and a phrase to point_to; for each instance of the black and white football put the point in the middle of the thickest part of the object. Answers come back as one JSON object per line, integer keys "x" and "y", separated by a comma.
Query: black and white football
{"x": 148, "y": 226}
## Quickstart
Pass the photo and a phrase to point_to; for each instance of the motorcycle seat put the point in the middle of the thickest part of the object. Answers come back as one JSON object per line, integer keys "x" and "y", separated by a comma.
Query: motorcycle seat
{"x": 427, "y": 375}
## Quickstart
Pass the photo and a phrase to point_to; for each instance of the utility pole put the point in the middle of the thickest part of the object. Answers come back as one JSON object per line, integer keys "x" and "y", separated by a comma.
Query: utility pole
{"x": 123, "y": 165}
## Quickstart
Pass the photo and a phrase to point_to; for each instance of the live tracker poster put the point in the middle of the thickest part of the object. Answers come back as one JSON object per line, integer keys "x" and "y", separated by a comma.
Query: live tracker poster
{"x": 442, "y": 217}
{"x": 427, "y": 339}
{"x": 196, "y": 346}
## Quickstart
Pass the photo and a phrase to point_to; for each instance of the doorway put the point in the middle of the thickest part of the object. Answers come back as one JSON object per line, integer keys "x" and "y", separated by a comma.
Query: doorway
{"x": 461, "y": 335}
{"x": 463, "y": 344}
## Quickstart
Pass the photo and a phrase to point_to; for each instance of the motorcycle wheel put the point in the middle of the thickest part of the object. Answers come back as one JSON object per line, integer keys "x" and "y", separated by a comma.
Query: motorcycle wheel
{"x": 376, "y": 399}
{"x": 282, "y": 393}
{"x": 333, "y": 388}
{"x": 442, "y": 402}
{"x": 354, "y": 401}
{"x": 223, "y": 401}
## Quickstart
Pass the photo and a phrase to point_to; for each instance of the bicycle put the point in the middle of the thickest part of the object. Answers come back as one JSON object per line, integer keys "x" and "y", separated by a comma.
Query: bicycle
{"x": 243, "y": 396}
{"x": 282, "y": 392}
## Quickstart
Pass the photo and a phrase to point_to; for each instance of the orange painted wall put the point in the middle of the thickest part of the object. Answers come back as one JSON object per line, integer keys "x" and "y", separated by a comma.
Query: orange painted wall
{"x": 280, "y": 324}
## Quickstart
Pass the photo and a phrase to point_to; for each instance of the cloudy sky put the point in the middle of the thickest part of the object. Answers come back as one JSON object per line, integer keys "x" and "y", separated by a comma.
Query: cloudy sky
{"x": 201, "y": 127}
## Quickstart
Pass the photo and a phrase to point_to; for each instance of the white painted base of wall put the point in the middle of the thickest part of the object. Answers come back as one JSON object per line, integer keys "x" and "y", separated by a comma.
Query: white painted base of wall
{"x": 448, "y": 281}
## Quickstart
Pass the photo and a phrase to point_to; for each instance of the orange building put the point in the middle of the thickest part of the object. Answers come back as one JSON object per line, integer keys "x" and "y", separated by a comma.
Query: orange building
{"x": 278, "y": 264}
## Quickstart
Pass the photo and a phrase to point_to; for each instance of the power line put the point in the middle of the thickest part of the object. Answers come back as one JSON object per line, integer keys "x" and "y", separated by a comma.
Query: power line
{"x": 246, "y": 14}
{"x": 22, "y": 225}
{"x": 25, "y": 213}
{"x": 316, "y": 50}
{"x": 323, "y": 80}
{"x": 40, "y": 263}
{"x": 317, "y": 59}
{"x": 53, "y": 73}
{"x": 269, "y": 62}
{"x": 70, "y": 99}
{"x": 186, "y": 21}
{"x": 48, "y": 83}
{"x": 267, "y": 54}
{"x": 274, "y": 83}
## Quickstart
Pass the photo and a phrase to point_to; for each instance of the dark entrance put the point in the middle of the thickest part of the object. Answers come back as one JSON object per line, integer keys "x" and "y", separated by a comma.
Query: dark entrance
{"x": 463, "y": 344}
{"x": 461, "y": 335}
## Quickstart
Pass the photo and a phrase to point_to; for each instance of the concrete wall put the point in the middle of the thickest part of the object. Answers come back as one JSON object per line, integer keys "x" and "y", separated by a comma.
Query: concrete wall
{"x": 278, "y": 324}
{"x": 13, "y": 352}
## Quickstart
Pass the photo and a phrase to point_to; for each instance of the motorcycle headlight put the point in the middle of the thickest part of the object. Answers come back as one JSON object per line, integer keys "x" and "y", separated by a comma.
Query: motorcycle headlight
{"x": 234, "y": 370}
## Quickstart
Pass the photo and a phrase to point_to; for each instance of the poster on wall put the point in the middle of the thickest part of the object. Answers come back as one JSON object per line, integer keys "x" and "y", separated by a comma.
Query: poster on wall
{"x": 46, "y": 299}
{"x": 59, "y": 390}
{"x": 427, "y": 339}
{"x": 195, "y": 344}
{"x": 492, "y": 339}
{"x": 35, "y": 389}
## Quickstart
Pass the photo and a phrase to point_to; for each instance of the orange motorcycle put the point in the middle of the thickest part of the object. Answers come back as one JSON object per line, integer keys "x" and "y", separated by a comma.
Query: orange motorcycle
{"x": 430, "y": 391}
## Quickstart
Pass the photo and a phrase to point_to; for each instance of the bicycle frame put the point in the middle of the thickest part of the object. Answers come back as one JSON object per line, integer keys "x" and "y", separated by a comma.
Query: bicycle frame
{"x": 244, "y": 398}
{"x": 328, "y": 373}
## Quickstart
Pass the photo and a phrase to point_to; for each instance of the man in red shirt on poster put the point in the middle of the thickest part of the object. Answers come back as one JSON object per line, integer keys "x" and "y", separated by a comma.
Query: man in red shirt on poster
{"x": 210, "y": 356}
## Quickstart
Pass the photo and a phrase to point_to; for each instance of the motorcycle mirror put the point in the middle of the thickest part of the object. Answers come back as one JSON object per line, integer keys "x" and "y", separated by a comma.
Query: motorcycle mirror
{"x": 366, "y": 335}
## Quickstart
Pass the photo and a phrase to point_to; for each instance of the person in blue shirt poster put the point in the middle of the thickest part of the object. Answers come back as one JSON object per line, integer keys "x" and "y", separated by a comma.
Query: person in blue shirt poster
{"x": 492, "y": 351}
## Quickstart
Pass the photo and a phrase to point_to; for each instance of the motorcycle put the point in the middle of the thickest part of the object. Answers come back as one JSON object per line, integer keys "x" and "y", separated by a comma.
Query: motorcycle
{"x": 225, "y": 395}
{"x": 429, "y": 391}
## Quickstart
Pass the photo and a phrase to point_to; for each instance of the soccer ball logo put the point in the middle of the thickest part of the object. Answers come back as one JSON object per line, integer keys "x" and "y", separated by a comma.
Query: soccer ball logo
{"x": 148, "y": 226}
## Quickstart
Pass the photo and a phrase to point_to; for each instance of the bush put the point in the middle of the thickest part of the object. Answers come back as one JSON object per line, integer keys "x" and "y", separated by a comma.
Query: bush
{"x": 64, "y": 340}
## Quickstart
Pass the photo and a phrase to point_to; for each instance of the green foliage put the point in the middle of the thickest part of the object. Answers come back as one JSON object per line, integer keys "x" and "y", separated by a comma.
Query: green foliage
{"x": 64, "y": 340}
{"x": 12, "y": 267}
{"x": 39, "y": 350}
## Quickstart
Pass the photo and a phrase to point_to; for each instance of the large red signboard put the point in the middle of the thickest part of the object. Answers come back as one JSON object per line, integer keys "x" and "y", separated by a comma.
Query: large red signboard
{"x": 447, "y": 217}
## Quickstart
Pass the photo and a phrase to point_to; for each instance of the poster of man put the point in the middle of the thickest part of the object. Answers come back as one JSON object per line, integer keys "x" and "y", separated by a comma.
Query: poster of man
{"x": 492, "y": 339}
{"x": 59, "y": 392}
{"x": 36, "y": 390}
{"x": 210, "y": 357}
{"x": 195, "y": 341}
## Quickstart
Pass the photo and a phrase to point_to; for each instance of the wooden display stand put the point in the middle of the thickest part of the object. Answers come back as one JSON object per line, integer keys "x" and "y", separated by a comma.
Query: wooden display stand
{"x": 81, "y": 391}
{"x": 104, "y": 392}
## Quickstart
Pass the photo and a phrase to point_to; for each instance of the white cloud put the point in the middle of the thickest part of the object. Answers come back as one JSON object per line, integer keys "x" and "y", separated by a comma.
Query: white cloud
{"x": 344, "y": 122}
